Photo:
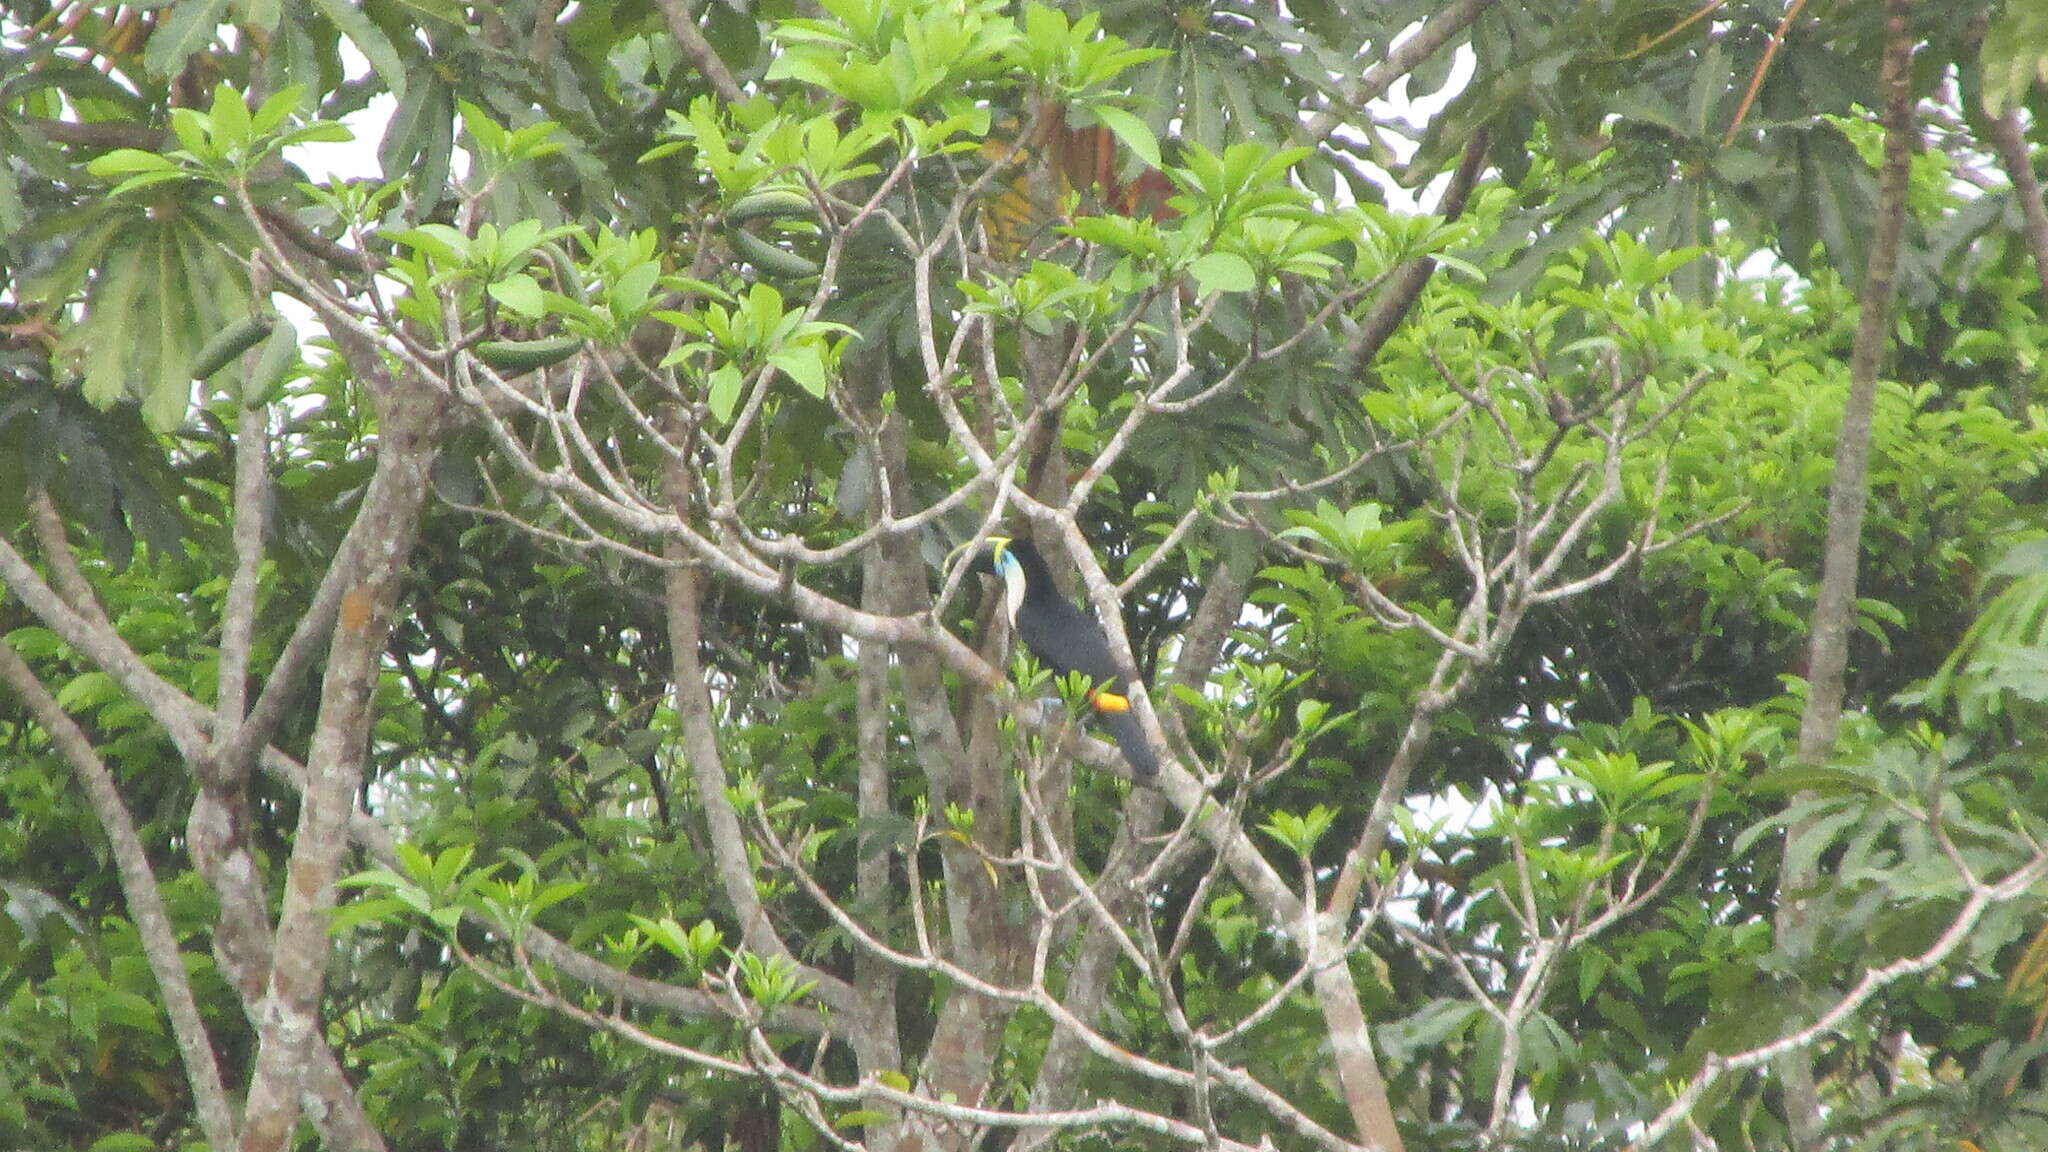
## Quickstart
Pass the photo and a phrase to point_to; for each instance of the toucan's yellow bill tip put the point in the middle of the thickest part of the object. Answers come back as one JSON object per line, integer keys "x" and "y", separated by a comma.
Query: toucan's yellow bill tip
{"x": 1111, "y": 702}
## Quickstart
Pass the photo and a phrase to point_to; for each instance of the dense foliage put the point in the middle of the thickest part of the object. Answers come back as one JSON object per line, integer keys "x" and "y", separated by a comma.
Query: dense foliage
{"x": 529, "y": 693}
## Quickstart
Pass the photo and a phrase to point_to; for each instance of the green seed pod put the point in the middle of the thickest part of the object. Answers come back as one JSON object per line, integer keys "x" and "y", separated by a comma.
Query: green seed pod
{"x": 229, "y": 343}
{"x": 772, "y": 204}
{"x": 770, "y": 259}
{"x": 517, "y": 357}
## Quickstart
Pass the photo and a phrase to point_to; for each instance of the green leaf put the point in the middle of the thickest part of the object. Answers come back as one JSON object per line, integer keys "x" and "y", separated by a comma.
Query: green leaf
{"x": 2014, "y": 56}
{"x": 12, "y": 213}
{"x": 85, "y": 691}
{"x": 629, "y": 296}
{"x": 357, "y": 913}
{"x": 169, "y": 395}
{"x": 277, "y": 109}
{"x": 369, "y": 40}
{"x": 1223, "y": 272}
{"x": 446, "y": 11}
{"x": 145, "y": 180}
{"x": 1593, "y": 964}
{"x": 187, "y": 29}
{"x": 725, "y": 392}
{"x": 110, "y": 321}
{"x": 232, "y": 124}
{"x": 1133, "y": 132}
{"x": 1300, "y": 832}
{"x": 262, "y": 14}
{"x": 804, "y": 365}
{"x": 439, "y": 240}
{"x": 322, "y": 132}
{"x": 194, "y": 131}
{"x": 522, "y": 294}
{"x": 124, "y": 161}
{"x": 488, "y": 133}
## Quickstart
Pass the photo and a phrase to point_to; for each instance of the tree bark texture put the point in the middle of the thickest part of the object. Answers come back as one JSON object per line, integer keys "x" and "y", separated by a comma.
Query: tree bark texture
{"x": 1835, "y": 605}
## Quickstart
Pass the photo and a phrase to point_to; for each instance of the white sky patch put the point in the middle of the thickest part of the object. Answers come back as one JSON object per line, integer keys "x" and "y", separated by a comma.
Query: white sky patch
{"x": 356, "y": 159}
{"x": 1416, "y": 114}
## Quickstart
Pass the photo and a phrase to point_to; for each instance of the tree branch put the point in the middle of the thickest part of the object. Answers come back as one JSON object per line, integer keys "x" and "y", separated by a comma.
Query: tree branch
{"x": 238, "y": 613}
{"x": 2011, "y": 144}
{"x": 138, "y": 884}
{"x": 1982, "y": 898}
{"x": 1434, "y": 33}
{"x": 1392, "y": 307}
{"x": 683, "y": 26}
{"x": 289, "y": 1027}
{"x": 707, "y": 763}
{"x": 1835, "y": 603}
{"x": 97, "y": 641}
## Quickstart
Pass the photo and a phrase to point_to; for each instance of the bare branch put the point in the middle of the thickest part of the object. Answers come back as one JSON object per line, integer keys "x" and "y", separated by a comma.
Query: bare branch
{"x": 2011, "y": 143}
{"x": 138, "y": 885}
{"x": 1434, "y": 33}
{"x": 1363, "y": 346}
{"x": 97, "y": 641}
{"x": 238, "y": 614}
{"x": 683, "y": 26}
{"x": 288, "y": 1027}
{"x": 1848, "y": 494}
{"x": 707, "y": 766}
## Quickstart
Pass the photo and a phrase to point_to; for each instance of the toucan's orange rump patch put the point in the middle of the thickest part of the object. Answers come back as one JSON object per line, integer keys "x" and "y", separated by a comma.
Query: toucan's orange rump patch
{"x": 1111, "y": 702}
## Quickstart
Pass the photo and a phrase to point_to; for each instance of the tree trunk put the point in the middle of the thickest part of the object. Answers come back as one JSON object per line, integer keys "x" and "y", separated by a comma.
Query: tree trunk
{"x": 1835, "y": 608}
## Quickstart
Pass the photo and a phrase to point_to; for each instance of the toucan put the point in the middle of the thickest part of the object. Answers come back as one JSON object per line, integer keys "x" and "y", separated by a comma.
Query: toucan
{"x": 1065, "y": 639}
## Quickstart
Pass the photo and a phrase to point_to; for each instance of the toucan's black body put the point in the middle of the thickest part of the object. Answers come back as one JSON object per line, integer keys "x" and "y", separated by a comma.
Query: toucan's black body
{"x": 1066, "y": 639}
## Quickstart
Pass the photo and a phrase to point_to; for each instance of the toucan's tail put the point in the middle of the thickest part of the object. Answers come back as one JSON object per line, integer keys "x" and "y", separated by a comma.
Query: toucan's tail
{"x": 1131, "y": 739}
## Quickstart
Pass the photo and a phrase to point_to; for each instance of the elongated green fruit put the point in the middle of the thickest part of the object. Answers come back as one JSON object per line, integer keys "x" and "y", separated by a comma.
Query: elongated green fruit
{"x": 772, "y": 204}
{"x": 265, "y": 381}
{"x": 567, "y": 278}
{"x": 229, "y": 343}
{"x": 514, "y": 357}
{"x": 770, "y": 259}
